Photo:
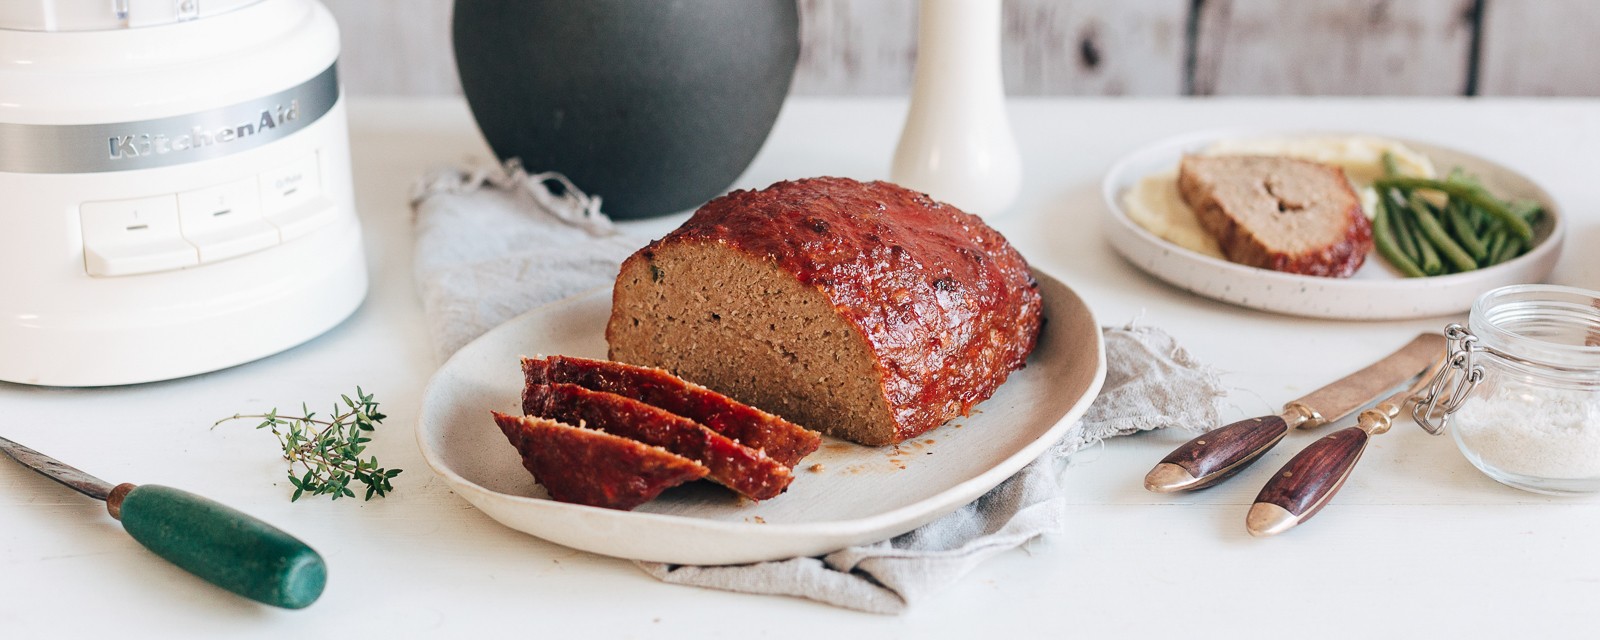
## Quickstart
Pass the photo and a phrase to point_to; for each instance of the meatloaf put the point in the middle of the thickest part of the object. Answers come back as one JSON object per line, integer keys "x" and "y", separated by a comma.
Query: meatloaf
{"x": 740, "y": 468}
{"x": 1278, "y": 213}
{"x": 780, "y": 439}
{"x": 865, "y": 310}
{"x": 594, "y": 468}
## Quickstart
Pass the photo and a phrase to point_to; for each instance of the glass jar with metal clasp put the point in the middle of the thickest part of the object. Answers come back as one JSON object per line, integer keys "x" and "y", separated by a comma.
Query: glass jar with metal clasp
{"x": 1521, "y": 388}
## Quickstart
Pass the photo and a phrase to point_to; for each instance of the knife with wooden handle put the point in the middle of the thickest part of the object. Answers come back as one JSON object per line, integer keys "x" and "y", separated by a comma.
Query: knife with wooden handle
{"x": 225, "y": 547}
{"x": 1311, "y": 478}
{"x": 1218, "y": 454}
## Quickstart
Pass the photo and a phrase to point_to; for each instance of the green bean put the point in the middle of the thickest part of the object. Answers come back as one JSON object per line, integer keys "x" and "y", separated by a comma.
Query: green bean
{"x": 1480, "y": 220}
{"x": 1434, "y": 233}
{"x": 1528, "y": 209}
{"x": 1512, "y": 249}
{"x": 1388, "y": 246}
{"x": 1496, "y": 240}
{"x": 1456, "y": 211}
{"x": 1474, "y": 214}
{"x": 1473, "y": 229}
{"x": 1430, "y": 257}
{"x": 1472, "y": 195}
{"x": 1402, "y": 227}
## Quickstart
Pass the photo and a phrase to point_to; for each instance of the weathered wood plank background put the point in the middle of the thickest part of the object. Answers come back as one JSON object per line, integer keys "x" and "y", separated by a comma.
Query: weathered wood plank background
{"x": 1118, "y": 47}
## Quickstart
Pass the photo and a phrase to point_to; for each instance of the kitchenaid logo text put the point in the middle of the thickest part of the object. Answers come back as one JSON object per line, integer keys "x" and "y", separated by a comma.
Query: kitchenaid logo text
{"x": 154, "y": 144}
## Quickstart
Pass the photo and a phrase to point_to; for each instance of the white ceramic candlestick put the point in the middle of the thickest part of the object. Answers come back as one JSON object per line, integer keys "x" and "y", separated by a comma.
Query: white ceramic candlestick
{"x": 957, "y": 144}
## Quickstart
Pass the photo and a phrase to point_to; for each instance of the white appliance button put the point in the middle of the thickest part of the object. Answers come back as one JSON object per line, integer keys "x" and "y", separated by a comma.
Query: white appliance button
{"x": 225, "y": 221}
{"x": 288, "y": 187}
{"x": 291, "y": 199}
{"x": 124, "y": 237}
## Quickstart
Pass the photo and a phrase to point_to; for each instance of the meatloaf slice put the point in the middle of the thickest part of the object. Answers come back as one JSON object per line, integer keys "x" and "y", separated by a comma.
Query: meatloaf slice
{"x": 594, "y": 468}
{"x": 867, "y": 311}
{"x": 780, "y": 439}
{"x": 1278, "y": 213}
{"x": 745, "y": 470}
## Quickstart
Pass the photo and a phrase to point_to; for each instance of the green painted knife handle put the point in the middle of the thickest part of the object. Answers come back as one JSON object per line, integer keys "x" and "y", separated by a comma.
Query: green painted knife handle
{"x": 222, "y": 545}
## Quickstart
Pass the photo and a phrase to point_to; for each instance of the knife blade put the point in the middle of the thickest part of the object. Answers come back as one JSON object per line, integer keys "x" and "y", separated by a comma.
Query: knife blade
{"x": 1214, "y": 456}
{"x": 225, "y": 547}
{"x": 53, "y": 469}
{"x": 1311, "y": 478}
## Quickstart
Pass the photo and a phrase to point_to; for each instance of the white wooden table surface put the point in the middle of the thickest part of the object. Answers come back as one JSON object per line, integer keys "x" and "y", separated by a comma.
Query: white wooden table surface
{"x": 1417, "y": 543}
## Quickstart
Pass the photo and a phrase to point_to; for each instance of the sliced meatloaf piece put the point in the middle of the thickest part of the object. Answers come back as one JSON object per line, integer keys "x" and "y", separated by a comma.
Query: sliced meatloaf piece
{"x": 745, "y": 470}
{"x": 594, "y": 468}
{"x": 780, "y": 439}
{"x": 1278, "y": 213}
{"x": 865, "y": 310}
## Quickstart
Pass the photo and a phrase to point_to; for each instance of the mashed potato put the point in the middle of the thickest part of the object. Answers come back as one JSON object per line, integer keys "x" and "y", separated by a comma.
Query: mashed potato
{"x": 1155, "y": 204}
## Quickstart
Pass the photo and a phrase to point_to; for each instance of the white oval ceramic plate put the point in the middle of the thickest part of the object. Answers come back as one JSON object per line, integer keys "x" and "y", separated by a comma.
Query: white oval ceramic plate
{"x": 1375, "y": 292}
{"x": 857, "y": 495}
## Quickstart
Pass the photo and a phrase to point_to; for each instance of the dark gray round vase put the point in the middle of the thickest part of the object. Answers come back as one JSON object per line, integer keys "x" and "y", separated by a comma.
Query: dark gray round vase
{"x": 654, "y": 105}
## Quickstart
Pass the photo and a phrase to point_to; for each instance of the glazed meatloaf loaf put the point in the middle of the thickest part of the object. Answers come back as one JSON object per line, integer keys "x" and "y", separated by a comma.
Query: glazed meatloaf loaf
{"x": 1278, "y": 213}
{"x": 864, "y": 310}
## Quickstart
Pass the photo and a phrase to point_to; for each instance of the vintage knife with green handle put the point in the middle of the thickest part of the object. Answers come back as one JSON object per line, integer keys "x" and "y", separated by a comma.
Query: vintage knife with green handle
{"x": 219, "y": 544}
{"x": 1215, "y": 455}
{"x": 1308, "y": 481}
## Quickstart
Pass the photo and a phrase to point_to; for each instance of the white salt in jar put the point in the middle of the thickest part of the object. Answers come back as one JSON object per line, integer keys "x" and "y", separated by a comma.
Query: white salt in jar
{"x": 1525, "y": 388}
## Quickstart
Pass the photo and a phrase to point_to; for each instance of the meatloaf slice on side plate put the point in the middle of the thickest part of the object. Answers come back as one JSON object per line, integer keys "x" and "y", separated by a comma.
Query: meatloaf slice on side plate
{"x": 1278, "y": 213}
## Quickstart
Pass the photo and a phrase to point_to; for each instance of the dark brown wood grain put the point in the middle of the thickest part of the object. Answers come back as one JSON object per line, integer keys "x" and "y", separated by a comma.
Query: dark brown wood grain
{"x": 1228, "y": 449}
{"x": 1311, "y": 478}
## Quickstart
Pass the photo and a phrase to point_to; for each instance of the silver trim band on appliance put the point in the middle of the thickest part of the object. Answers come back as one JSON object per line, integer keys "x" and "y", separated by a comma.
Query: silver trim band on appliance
{"x": 164, "y": 142}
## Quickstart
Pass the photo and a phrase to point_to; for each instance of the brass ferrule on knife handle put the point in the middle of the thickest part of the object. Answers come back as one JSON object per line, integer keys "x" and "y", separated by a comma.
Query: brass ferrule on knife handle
{"x": 1378, "y": 419}
{"x": 1299, "y": 415}
{"x": 114, "y": 500}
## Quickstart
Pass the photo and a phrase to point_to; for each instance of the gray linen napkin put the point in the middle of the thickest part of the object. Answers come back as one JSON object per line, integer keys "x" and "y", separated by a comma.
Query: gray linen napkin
{"x": 485, "y": 255}
{"x": 492, "y": 243}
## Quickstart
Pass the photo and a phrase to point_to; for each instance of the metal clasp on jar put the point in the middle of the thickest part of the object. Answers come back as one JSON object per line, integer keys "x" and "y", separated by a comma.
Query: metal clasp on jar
{"x": 1459, "y": 376}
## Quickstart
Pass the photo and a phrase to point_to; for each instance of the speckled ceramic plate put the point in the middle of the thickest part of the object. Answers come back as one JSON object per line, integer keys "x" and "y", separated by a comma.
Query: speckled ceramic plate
{"x": 855, "y": 494}
{"x": 1375, "y": 292}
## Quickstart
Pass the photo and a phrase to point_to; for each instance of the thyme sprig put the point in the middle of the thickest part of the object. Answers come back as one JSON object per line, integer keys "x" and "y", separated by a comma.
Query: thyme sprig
{"x": 324, "y": 455}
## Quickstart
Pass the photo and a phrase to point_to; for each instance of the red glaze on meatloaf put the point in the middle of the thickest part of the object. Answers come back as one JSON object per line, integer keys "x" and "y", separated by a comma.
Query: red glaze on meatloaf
{"x": 780, "y": 439}
{"x": 594, "y": 468}
{"x": 732, "y": 465}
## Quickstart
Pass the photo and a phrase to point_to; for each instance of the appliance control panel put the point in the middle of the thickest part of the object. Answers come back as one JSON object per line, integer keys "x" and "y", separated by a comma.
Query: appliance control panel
{"x": 174, "y": 231}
